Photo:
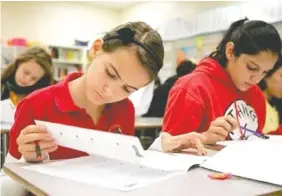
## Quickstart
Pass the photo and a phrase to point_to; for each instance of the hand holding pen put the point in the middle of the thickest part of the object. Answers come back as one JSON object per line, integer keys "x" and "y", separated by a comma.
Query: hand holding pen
{"x": 34, "y": 142}
{"x": 220, "y": 128}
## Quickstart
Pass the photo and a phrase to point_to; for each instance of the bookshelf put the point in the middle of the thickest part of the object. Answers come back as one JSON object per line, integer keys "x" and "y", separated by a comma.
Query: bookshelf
{"x": 67, "y": 59}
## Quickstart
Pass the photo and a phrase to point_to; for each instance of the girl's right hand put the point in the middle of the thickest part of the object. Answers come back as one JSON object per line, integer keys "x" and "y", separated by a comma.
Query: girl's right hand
{"x": 220, "y": 128}
{"x": 26, "y": 142}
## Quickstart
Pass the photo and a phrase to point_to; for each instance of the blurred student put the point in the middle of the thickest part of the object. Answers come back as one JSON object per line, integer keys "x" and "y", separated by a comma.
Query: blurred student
{"x": 272, "y": 90}
{"x": 31, "y": 70}
{"x": 160, "y": 96}
{"x": 220, "y": 99}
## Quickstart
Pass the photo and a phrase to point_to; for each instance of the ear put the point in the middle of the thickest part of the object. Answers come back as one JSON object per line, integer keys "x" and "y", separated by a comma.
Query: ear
{"x": 96, "y": 46}
{"x": 229, "y": 50}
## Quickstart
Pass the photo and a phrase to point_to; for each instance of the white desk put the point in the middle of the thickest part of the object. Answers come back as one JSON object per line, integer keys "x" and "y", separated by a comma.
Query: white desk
{"x": 148, "y": 122}
{"x": 195, "y": 182}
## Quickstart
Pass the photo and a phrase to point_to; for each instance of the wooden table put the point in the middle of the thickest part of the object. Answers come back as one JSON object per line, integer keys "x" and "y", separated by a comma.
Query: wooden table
{"x": 195, "y": 182}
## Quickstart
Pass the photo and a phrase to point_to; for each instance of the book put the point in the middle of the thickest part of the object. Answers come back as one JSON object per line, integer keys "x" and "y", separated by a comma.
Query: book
{"x": 116, "y": 161}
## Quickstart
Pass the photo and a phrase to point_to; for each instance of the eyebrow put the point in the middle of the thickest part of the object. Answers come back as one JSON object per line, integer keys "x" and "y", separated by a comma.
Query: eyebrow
{"x": 259, "y": 66}
{"x": 120, "y": 77}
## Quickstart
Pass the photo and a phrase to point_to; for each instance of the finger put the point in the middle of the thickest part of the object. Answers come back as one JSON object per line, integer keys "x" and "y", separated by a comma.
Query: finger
{"x": 219, "y": 131}
{"x": 200, "y": 147}
{"x": 195, "y": 135}
{"x": 215, "y": 137}
{"x": 34, "y": 129}
{"x": 232, "y": 121}
{"x": 223, "y": 123}
{"x": 24, "y": 139}
{"x": 217, "y": 119}
{"x": 32, "y": 155}
{"x": 31, "y": 147}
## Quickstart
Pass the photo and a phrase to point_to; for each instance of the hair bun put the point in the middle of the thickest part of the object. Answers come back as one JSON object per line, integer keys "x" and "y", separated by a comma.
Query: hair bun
{"x": 126, "y": 35}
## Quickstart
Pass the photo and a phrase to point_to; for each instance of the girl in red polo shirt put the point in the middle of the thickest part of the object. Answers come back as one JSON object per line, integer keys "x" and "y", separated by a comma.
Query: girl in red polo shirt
{"x": 220, "y": 99}
{"x": 124, "y": 60}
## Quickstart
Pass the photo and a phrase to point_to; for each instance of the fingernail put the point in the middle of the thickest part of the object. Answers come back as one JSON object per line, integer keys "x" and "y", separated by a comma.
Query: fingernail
{"x": 42, "y": 127}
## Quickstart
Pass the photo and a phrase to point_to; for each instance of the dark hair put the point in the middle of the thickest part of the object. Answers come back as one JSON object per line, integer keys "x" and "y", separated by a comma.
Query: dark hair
{"x": 185, "y": 67}
{"x": 274, "y": 102}
{"x": 40, "y": 56}
{"x": 150, "y": 49}
{"x": 249, "y": 37}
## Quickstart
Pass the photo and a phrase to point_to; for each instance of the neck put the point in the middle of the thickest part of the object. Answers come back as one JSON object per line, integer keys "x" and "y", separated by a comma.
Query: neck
{"x": 77, "y": 90}
{"x": 267, "y": 95}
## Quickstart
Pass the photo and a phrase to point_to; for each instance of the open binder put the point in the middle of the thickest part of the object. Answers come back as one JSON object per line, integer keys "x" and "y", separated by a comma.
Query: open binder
{"x": 116, "y": 161}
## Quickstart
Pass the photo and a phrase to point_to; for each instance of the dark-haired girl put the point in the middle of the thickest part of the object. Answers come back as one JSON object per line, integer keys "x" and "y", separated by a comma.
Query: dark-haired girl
{"x": 221, "y": 99}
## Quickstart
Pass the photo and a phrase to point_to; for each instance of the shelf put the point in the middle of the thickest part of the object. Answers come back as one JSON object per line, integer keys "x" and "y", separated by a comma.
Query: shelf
{"x": 68, "y": 47}
{"x": 62, "y": 61}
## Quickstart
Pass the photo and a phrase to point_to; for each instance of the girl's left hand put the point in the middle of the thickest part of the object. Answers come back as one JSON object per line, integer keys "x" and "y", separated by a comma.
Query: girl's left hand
{"x": 180, "y": 142}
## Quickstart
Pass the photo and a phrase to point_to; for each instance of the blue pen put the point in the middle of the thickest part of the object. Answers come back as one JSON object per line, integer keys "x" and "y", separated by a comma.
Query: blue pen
{"x": 255, "y": 133}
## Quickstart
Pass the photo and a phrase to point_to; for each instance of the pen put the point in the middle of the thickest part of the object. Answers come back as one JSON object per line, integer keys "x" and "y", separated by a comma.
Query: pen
{"x": 255, "y": 133}
{"x": 117, "y": 130}
{"x": 37, "y": 148}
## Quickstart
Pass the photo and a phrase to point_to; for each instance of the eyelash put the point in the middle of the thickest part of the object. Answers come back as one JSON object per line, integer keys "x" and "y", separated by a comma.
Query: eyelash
{"x": 251, "y": 69}
{"x": 126, "y": 90}
{"x": 111, "y": 75}
{"x": 114, "y": 77}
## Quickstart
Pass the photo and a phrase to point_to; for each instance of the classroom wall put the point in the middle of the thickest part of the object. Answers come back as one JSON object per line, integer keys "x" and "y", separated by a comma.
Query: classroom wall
{"x": 158, "y": 13}
{"x": 55, "y": 22}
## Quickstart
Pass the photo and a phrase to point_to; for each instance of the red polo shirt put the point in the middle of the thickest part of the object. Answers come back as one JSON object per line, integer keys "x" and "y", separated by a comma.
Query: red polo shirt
{"x": 54, "y": 104}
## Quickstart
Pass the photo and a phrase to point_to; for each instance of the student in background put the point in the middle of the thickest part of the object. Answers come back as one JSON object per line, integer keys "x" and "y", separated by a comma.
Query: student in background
{"x": 158, "y": 104}
{"x": 30, "y": 71}
{"x": 220, "y": 99}
{"x": 272, "y": 90}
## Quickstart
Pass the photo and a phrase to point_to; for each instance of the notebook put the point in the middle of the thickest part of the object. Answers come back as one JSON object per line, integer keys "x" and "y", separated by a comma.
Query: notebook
{"x": 116, "y": 161}
{"x": 257, "y": 160}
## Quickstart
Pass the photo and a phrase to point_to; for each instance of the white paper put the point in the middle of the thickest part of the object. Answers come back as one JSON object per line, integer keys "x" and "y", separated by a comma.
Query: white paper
{"x": 111, "y": 165}
{"x": 111, "y": 145}
{"x": 7, "y": 112}
{"x": 274, "y": 138}
{"x": 177, "y": 162}
{"x": 100, "y": 171}
{"x": 258, "y": 160}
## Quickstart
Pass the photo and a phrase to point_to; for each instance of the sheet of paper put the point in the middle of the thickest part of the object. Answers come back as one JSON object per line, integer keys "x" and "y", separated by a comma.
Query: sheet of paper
{"x": 258, "y": 160}
{"x": 7, "y": 112}
{"x": 100, "y": 171}
{"x": 180, "y": 162}
{"x": 120, "y": 147}
{"x": 275, "y": 138}
{"x": 111, "y": 145}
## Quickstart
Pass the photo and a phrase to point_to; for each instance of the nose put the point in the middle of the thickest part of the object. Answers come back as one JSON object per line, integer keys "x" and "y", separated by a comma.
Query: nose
{"x": 108, "y": 90}
{"x": 255, "y": 79}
